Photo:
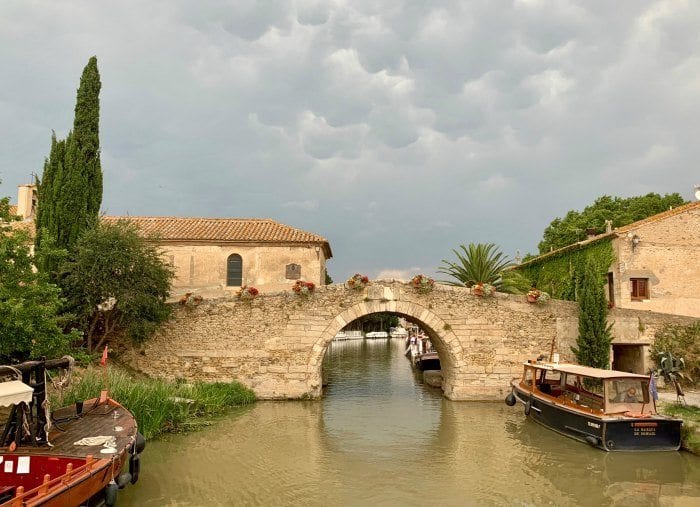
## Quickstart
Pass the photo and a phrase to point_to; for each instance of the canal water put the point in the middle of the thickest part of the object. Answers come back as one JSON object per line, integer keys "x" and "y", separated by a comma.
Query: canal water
{"x": 380, "y": 437}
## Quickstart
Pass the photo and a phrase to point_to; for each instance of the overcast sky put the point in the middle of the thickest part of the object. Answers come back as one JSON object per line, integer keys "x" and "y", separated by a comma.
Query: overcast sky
{"x": 398, "y": 130}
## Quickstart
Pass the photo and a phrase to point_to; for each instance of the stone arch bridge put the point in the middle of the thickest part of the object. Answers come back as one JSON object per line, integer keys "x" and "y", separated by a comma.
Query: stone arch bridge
{"x": 276, "y": 343}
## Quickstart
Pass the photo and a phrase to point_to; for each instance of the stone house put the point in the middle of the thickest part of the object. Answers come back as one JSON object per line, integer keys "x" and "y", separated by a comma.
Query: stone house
{"x": 214, "y": 256}
{"x": 656, "y": 268}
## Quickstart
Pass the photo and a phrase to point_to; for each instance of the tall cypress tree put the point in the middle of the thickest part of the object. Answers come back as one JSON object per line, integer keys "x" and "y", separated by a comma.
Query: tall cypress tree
{"x": 594, "y": 333}
{"x": 70, "y": 190}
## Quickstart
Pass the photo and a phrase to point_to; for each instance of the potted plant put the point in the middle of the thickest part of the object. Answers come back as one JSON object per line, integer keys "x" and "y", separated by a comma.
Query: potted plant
{"x": 422, "y": 283}
{"x": 303, "y": 288}
{"x": 483, "y": 289}
{"x": 247, "y": 293}
{"x": 535, "y": 295}
{"x": 358, "y": 281}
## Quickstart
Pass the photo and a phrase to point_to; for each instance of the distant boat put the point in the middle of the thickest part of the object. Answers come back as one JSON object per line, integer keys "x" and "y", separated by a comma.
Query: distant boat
{"x": 377, "y": 334}
{"x": 340, "y": 336}
{"x": 398, "y": 332}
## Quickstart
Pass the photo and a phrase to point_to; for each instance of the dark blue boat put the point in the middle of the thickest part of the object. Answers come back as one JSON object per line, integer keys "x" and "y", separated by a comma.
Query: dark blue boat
{"x": 608, "y": 409}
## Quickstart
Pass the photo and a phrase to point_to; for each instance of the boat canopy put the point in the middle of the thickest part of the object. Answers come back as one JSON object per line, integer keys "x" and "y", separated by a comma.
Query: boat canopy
{"x": 13, "y": 392}
{"x": 586, "y": 371}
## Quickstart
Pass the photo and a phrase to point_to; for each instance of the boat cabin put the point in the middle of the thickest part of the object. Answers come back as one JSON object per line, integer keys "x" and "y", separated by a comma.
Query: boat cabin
{"x": 590, "y": 389}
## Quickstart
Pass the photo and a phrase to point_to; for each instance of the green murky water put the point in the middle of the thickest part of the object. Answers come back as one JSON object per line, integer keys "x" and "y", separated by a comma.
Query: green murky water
{"x": 380, "y": 437}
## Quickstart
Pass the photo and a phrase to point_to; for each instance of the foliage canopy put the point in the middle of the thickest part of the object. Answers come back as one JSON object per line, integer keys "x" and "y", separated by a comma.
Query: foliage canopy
{"x": 479, "y": 263}
{"x": 621, "y": 211}
{"x": 70, "y": 190}
{"x": 29, "y": 304}
{"x": 116, "y": 281}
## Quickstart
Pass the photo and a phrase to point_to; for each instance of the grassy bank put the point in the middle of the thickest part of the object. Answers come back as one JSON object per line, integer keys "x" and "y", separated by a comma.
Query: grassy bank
{"x": 159, "y": 406}
{"x": 691, "y": 424}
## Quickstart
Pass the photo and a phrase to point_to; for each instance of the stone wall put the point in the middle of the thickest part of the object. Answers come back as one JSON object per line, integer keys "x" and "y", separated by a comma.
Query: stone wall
{"x": 667, "y": 252}
{"x": 276, "y": 343}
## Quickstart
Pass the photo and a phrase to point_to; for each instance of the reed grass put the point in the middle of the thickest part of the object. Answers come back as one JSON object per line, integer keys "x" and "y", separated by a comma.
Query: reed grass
{"x": 158, "y": 405}
{"x": 691, "y": 424}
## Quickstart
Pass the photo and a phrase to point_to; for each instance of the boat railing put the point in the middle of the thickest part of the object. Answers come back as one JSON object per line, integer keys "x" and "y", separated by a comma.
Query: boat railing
{"x": 49, "y": 484}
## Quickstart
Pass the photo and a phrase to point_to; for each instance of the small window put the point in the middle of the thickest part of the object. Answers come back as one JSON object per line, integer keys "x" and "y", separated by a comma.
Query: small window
{"x": 234, "y": 271}
{"x": 640, "y": 288}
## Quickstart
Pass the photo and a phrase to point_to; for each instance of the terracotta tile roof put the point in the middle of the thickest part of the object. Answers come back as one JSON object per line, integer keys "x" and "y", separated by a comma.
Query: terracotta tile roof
{"x": 618, "y": 231}
{"x": 223, "y": 229}
{"x": 13, "y": 209}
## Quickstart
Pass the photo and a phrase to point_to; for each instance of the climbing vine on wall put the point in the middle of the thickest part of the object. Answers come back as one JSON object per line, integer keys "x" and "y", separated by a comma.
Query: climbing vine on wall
{"x": 560, "y": 274}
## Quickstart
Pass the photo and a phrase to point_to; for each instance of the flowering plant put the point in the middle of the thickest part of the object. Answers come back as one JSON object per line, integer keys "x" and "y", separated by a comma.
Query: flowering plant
{"x": 190, "y": 300}
{"x": 247, "y": 293}
{"x": 422, "y": 283}
{"x": 535, "y": 295}
{"x": 303, "y": 288}
{"x": 358, "y": 281}
{"x": 483, "y": 289}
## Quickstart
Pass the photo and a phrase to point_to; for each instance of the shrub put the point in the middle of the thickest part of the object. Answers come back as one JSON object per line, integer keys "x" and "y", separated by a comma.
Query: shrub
{"x": 681, "y": 341}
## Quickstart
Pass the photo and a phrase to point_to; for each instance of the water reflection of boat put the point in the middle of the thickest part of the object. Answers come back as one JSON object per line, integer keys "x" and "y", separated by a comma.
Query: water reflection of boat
{"x": 71, "y": 456}
{"x": 608, "y": 478}
{"x": 608, "y": 409}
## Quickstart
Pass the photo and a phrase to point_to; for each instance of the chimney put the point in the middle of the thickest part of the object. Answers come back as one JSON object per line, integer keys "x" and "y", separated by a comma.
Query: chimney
{"x": 608, "y": 226}
{"x": 26, "y": 201}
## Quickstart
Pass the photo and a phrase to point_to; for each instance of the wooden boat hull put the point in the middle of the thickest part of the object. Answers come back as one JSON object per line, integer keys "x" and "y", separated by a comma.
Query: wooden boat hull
{"x": 604, "y": 432}
{"x": 67, "y": 475}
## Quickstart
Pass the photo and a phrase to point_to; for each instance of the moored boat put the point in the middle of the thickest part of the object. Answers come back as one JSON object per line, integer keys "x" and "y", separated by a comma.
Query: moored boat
{"x": 67, "y": 457}
{"x": 608, "y": 409}
{"x": 427, "y": 361}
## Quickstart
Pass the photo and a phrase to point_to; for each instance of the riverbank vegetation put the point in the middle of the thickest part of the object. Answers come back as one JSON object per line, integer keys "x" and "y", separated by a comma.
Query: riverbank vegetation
{"x": 691, "y": 424}
{"x": 158, "y": 405}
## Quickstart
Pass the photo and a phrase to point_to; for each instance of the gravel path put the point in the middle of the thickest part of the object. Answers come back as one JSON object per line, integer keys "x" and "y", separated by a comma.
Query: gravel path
{"x": 691, "y": 397}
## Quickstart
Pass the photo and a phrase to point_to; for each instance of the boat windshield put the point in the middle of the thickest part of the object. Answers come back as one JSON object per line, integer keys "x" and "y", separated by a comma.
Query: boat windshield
{"x": 625, "y": 395}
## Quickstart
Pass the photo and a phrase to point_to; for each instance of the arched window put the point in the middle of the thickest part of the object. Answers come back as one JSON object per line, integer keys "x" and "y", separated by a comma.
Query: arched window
{"x": 234, "y": 271}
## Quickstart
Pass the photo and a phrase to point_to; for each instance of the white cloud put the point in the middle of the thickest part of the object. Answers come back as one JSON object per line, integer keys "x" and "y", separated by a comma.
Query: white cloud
{"x": 414, "y": 127}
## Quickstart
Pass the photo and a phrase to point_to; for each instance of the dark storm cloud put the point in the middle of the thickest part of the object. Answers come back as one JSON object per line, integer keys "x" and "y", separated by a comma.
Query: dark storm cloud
{"x": 397, "y": 129}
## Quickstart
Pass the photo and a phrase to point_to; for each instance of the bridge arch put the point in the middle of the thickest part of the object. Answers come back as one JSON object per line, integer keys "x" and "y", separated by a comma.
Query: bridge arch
{"x": 441, "y": 335}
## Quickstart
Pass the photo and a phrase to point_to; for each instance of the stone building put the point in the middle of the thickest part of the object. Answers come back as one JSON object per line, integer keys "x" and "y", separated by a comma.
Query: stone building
{"x": 656, "y": 268}
{"x": 213, "y": 256}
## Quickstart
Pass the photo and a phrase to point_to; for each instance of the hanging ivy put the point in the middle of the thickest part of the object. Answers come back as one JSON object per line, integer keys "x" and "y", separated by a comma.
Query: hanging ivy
{"x": 561, "y": 273}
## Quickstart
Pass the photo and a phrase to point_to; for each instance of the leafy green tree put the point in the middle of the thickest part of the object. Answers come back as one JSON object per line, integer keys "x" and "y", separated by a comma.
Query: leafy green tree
{"x": 620, "y": 211}
{"x": 328, "y": 280}
{"x": 477, "y": 263}
{"x": 116, "y": 282}
{"x": 29, "y": 304}
{"x": 594, "y": 333}
{"x": 70, "y": 190}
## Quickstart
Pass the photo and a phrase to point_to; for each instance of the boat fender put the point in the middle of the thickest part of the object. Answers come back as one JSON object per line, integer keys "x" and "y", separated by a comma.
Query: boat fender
{"x": 134, "y": 467}
{"x": 111, "y": 494}
{"x": 140, "y": 443}
{"x": 510, "y": 400}
{"x": 592, "y": 440}
{"x": 123, "y": 480}
{"x": 527, "y": 407}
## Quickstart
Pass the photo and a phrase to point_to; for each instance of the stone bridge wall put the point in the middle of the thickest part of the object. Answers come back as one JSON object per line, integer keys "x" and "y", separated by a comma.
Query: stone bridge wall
{"x": 275, "y": 344}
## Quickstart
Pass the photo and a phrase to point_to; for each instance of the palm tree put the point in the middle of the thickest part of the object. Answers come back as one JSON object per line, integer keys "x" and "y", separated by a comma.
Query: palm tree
{"x": 483, "y": 263}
